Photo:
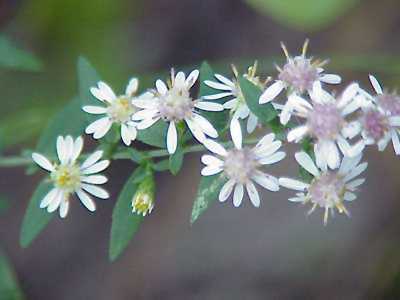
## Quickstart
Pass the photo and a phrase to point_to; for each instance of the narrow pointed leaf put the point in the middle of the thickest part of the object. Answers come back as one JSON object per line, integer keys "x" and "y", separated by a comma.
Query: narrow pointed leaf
{"x": 252, "y": 93}
{"x": 125, "y": 223}
{"x": 35, "y": 219}
{"x": 14, "y": 58}
{"x": 207, "y": 192}
{"x": 9, "y": 287}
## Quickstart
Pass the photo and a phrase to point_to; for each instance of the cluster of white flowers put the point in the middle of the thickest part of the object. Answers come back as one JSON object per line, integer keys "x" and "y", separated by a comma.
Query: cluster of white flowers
{"x": 338, "y": 127}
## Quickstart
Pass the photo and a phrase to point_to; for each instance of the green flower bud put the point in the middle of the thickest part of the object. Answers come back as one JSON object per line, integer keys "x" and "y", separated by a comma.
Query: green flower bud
{"x": 143, "y": 200}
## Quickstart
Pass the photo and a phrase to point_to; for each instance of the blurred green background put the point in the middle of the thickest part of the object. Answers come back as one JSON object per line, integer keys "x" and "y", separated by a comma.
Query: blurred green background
{"x": 273, "y": 252}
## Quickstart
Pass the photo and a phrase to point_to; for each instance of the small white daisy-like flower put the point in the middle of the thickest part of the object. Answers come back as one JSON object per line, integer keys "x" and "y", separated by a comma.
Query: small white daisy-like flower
{"x": 241, "y": 166}
{"x": 297, "y": 76}
{"x": 389, "y": 102}
{"x": 330, "y": 188}
{"x": 377, "y": 127}
{"x": 231, "y": 88}
{"x": 172, "y": 103}
{"x": 69, "y": 177}
{"x": 117, "y": 110}
{"x": 326, "y": 123}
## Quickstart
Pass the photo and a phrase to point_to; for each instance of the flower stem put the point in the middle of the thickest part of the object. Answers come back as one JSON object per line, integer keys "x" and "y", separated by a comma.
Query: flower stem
{"x": 18, "y": 161}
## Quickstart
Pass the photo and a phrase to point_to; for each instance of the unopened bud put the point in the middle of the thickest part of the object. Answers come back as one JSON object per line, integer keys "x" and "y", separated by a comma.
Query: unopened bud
{"x": 143, "y": 200}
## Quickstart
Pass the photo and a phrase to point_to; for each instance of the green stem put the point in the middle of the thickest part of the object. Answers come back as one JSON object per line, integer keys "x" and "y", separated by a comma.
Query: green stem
{"x": 17, "y": 161}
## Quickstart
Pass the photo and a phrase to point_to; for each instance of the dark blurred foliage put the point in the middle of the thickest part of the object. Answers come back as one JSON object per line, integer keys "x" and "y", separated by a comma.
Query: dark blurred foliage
{"x": 273, "y": 252}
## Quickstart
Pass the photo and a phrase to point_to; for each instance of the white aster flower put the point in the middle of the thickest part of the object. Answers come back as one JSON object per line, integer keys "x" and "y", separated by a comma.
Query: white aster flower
{"x": 173, "y": 104}
{"x": 68, "y": 176}
{"x": 231, "y": 88}
{"x": 241, "y": 166}
{"x": 326, "y": 123}
{"x": 297, "y": 76}
{"x": 117, "y": 110}
{"x": 388, "y": 102}
{"x": 330, "y": 188}
{"x": 379, "y": 127}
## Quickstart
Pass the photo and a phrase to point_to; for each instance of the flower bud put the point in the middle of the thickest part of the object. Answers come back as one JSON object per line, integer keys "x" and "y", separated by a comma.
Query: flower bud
{"x": 143, "y": 200}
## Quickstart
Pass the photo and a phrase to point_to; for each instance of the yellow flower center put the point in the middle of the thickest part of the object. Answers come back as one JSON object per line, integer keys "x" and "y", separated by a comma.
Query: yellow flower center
{"x": 120, "y": 110}
{"x": 66, "y": 177}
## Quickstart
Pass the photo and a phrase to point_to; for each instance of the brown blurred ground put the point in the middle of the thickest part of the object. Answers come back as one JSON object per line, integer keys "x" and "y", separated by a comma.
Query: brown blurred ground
{"x": 274, "y": 252}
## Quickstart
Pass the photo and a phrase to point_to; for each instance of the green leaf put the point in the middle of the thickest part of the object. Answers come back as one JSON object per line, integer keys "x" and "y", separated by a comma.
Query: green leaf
{"x": 69, "y": 121}
{"x": 87, "y": 78}
{"x": 125, "y": 223}
{"x": 307, "y": 15}
{"x": 161, "y": 166}
{"x": 207, "y": 192}
{"x": 35, "y": 219}
{"x": 155, "y": 135}
{"x": 220, "y": 118}
{"x": 176, "y": 160}
{"x": 13, "y": 58}
{"x": 252, "y": 93}
{"x": 9, "y": 288}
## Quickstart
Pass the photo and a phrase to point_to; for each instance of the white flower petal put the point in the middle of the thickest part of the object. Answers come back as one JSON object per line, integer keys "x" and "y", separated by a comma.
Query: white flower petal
{"x": 225, "y": 80}
{"x": 132, "y": 87}
{"x": 274, "y": 158}
{"x": 348, "y": 196}
{"x": 396, "y": 142}
{"x": 375, "y": 83}
{"x": 211, "y": 170}
{"x": 286, "y": 113}
{"x": 268, "y": 182}
{"x": 205, "y": 125}
{"x": 96, "y": 125}
{"x": 196, "y": 130}
{"x": 102, "y": 131}
{"x": 86, "y": 200}
{"x": 217, "y": 96}
{"x": 96, "y": 168}
{"x": 96, "y": 110}
{"x": 42, "y": 161}
{"x": 238, "y": 195}
{"x": 355, "y": 183}
{"x": 211, "y": 160}
{"x": 226, "y": 190}
{"x": 64, "y": 208}
{"x": 230, "y": 104}
{"x": 307, "y": 163}
{"x": 146, "y": 123}
{"x": 92, "y": 159}
{"x": 217, "y": 85}
{"x": 209, "y": 106}
{"x": 128, "y": 134}
{"x": 349, "y": 163}
{"x": 95, "y": 191}
{"x": 61, "y": 149}
{"x": 293, "y": 184}
{"x": 268, "y": 149}
{"x": 50, "y": 196}
{"x": 55, "y": 203}
{"x": 161, "y": 87}
{"x": 266, "y": 140}
{"x": 356, "y": 171}
{"x": 180, "y": 82}
{"x": 297, "y": 134}
{"x": 394, "y": 121}
{"x": 348, "y": 95}
{"x": 214, "y": 147}
{"x": 330, "y": 78}
{"x": 252, "y": 122}
{"x": 94, "y": 179}
{"x": 77, "y": 148}
{"x": 253, "y": 194}
{"x": 69, "y": 147}
{"x": 236, "y": 133}
{"x": 272, "y": 92}
{"x": 192, "y": 78}
{"x": 172, "y": 138}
